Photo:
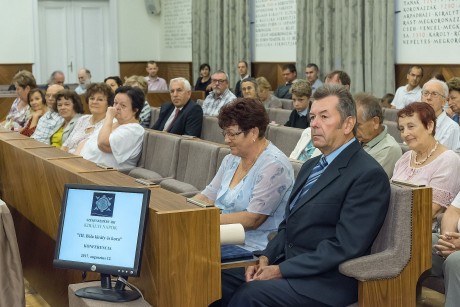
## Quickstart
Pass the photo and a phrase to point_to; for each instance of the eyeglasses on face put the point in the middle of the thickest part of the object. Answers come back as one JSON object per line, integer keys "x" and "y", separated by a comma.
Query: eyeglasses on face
{"x": 218, "y": 81}
{"x": 433, "y": 94}
{"x": 231, "y": 135}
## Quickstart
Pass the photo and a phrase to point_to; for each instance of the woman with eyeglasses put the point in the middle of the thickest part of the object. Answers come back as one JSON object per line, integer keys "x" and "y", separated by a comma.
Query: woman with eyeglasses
{"x": 98, "y": 96}
{"x": 253, "y": 183}
{"x": 427, "y": 162}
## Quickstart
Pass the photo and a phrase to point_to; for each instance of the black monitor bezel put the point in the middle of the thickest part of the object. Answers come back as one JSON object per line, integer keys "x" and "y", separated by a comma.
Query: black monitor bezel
{"x": 101, "y": 268}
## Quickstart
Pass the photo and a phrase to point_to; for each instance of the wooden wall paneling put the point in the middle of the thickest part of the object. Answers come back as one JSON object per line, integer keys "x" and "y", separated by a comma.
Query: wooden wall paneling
{"x": 5, "y": 105}
{"x": 271, "y": 71}
{"x": 7, "y": 71}
{"x": 168, "y": 70}
{"x": 429, "y": 71}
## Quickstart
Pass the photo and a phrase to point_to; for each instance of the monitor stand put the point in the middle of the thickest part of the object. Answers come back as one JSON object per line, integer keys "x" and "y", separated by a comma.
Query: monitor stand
{"x": 107, "y": 293}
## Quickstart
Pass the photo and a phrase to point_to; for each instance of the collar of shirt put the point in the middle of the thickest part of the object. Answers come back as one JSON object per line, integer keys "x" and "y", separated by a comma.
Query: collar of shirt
{"x": 221, "y": 96}
{"x": 414, "y": 90}
{"x": 378, "y": 138}
{"x": 440, "y": 119}
{"x": 330, "y": 157}
{"x": 242, "y": 78}
{"x": 303, "y": 113}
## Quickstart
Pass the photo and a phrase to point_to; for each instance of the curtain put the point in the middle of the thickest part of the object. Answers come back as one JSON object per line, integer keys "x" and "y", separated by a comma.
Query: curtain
{"x": 220, "y": 35}
{"x": 356, "y": 36}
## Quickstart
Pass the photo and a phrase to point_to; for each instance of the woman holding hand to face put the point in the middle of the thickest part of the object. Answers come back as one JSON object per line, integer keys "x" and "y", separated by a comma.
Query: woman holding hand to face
{"x": 37, "y": 102}
{"x": 118, "y": 142}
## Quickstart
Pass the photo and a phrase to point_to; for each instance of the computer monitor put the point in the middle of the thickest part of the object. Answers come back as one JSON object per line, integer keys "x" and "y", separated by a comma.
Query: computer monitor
{"x": 101, "y": 229}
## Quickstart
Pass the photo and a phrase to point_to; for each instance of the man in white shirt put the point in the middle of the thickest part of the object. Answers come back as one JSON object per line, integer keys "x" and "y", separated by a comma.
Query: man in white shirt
{"x": 84, "y": 80}
{"x": 411, "y": 91}
{"x": 154, "y": 82}
{"x": 220, "y": 94}
{"x": 312, "y": 75}
{"x": 435, "y": 93}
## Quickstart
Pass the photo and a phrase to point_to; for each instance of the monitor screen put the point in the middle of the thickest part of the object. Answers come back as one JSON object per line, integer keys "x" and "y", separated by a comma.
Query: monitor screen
{"x": 102, "y": 229}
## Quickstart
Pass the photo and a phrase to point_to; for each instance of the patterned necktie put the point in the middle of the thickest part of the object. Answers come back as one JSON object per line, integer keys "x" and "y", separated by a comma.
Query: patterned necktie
{"x": 314, "y": 175}
{"x": 174, "y": 119}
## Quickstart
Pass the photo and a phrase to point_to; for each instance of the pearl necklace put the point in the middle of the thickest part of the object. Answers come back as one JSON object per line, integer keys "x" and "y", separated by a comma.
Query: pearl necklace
{"x": 427, "y": 157}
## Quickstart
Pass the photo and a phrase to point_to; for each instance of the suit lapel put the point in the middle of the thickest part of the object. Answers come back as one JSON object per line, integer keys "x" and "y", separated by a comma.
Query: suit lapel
{"x": 329, "y": 175}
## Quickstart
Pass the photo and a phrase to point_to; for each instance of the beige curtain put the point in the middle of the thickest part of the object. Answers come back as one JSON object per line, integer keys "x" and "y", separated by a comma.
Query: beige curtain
{"x": 351, "y": 35}
{"x": 220, "y": 35}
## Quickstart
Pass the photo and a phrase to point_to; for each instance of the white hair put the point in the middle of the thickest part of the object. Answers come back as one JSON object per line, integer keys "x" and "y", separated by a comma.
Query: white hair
{"x": 184, "y": 81}
{"x": 445, "y": 88}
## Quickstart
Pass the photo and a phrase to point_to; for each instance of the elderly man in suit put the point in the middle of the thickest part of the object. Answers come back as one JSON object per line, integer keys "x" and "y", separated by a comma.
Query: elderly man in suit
{"x": 336, "y": 208}
{"x": 182, "y": 116}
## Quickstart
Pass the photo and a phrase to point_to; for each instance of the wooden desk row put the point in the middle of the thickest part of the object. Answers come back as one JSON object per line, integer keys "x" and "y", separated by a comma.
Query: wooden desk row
{"x": 181, "y": 259}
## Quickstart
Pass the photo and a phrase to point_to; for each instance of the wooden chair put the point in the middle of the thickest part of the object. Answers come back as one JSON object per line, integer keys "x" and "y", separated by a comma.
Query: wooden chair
{"x": 400, "y": 253}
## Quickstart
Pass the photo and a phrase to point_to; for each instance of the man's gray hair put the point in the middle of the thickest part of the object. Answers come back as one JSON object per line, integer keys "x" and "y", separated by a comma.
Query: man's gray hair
{"x": 184, "y": 81}
{"x": 346, "y": 105}
{"x": 445, "y": 88}
{"x": 370, "y": 105}
{"x": 221, "y": 72}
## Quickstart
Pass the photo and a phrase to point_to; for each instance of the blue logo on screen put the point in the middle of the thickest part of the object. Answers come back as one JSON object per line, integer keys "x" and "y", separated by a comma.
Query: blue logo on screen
{"x": 103, "y": 204}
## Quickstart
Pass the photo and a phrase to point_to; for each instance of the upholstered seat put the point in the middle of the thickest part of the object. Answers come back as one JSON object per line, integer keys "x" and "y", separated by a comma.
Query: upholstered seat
{"x": 158, "y": 161}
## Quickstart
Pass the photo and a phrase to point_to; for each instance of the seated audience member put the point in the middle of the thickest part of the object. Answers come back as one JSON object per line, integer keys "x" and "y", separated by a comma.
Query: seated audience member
{"x": 335, "y": 211}
{"x": 253, "y": 183}
{"x": 305, "y": 149}
{"x": 289, "y": 76}
{"x": 69, "y": 107}
{"x": 435, "y": 93}
{"x": 57, "y": 77}
{"x": 243, "y": 73}
{"x": 51, "y": 120}
{"x": 139, "y": 81}
{"x": 84, "y": 80}
{"x": 410, "y": 92}
{"x": 204, "y": 81}
{"x": 373, "y": 135}
{"x": 118, "y": 142}
{"x": 114, "y": 82}
{"x": 454, "y": 97}
{"x": 154, "y": 82}
{"x": 427, "y": 162}
{"x": 99, "y": 97}
{"x": 249, "y": 88}
{"x": 220, "y": 94}
{"x": 264, "y": 89}
{"x": 19, "y": 113}
{"x": 446, "y": 255}
{"x": 338, "y": 77}
{"x": 301, "y": 93}
{"x": 37, "y": 103}
{"x": 386, "y": 100}
{"x": 312, "y": 75}
{"x": 182, "y": 116}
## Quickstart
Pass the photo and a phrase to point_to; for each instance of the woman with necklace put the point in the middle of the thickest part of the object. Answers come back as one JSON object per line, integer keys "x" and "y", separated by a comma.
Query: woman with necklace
{"x": 253, "y": 183}
{"x": 98, "y": 96}
{"x": 427, "y": 162}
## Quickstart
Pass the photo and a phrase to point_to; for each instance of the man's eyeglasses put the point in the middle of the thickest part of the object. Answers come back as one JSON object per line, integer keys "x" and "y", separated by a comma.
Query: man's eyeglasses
{"x": 433, "y": 94}
{"x": 231, "y": 135}
{"x": 218, "y": 81}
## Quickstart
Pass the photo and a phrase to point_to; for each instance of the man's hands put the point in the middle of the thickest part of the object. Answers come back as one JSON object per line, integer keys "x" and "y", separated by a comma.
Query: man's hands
{"x": 448, "y": 243}
{"x": 263, "y": 271}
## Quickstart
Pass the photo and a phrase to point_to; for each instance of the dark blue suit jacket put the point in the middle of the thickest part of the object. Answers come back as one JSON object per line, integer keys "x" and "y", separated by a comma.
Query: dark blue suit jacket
{"x": 188, "y": 122}
{"x": 337, "y": 220}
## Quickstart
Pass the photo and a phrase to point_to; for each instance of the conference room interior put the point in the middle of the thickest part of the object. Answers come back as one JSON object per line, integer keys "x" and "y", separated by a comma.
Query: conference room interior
{"x": 181, "y": 259}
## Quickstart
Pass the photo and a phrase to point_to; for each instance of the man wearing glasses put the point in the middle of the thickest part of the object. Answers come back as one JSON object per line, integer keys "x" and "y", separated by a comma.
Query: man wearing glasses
{"x": 411, "y": 91}
{"x": 435, "y": 93}
{"x": 220, "y": 94}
